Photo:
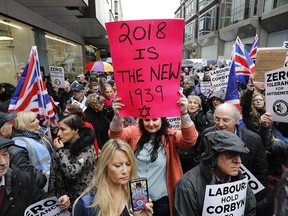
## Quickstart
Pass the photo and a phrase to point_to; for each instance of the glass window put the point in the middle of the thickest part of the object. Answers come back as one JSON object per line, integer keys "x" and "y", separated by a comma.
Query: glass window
{"x": 64, "y": 53}
{"x": 204, "y": 3}
{"x": 16, "y": 40}
{"x": 206, "y": 22}
{"x": 225, "y": 13}
{"x": 272, "y": 4}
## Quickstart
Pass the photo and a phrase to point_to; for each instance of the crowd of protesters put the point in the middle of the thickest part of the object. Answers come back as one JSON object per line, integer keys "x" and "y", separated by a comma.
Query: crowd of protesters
{"x": 92, "y": 154}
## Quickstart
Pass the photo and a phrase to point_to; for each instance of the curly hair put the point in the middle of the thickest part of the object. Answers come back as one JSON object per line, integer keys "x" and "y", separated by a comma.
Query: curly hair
{"x": 146, "y": 136}
{"x": 95, "y": 101}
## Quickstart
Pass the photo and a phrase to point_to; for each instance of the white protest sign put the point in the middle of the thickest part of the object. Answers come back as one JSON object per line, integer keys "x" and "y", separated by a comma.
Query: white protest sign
{"x": 221, "y": 59}
{"x": 174, "y": 122}
{"x": 83, "y": 107}
{"x": 225, "y": 199}
{"x": 285, "y": 44}
{"x": 205, "y": 87}
{"x": 253, "y": 182}
{"x": 57, "y": 75}
{"x": 276, "y": 94}
{"x": 46, "y": 207}
{"x": 219, "y": 78}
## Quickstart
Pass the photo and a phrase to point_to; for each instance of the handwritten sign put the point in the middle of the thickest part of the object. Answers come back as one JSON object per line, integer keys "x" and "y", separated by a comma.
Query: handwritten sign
{"x": 47, "y": 207}
{"x": 225, "y": 199}
{"x": 268, "y": 59}
{"x": 219, "y": 78}
{"x": 147, "y": 65}
{"x": 57, "y": 75}
{"x": 276, "y": 94}
{"x": 253, "y": 182}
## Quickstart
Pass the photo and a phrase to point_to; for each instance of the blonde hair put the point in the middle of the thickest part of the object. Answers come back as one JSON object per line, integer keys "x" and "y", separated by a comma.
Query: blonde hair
{"x": 23, "y": 120}
{"x": 104, "y": 196}
{"x": 254, "y": 112}
{"x": 197, "y": 98}
{"x": 94, "y": 101}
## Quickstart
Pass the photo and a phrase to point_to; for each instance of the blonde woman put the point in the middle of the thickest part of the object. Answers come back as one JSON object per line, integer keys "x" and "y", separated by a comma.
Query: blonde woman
{"x": 33, "y": 148}
{"x": 95, "y": 116}
{"x": 108, "y": 193}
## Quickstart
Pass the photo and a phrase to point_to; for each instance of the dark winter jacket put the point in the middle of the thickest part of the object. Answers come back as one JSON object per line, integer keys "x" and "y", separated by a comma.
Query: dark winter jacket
{"x": 210, "y": 112}
{"x": 20, "y": 158}
{"x": 189, "y": 192}
{"x": 73, "y": 166}
{"x": 255, "y": 161}
{"x": 251, "y": 122}
{"x": 199, "y": 120}
{"x": 20, "y": 192}
{"x": 100, "y": 123}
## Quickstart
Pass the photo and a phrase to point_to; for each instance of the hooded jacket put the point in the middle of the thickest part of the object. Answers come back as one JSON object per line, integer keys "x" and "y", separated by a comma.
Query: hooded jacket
{"x": 210, "y": 112}
{"x": 189, "y": 193}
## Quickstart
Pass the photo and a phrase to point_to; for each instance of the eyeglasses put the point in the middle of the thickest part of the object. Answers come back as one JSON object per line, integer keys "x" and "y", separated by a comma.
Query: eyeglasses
{"x": 258, "y": 99}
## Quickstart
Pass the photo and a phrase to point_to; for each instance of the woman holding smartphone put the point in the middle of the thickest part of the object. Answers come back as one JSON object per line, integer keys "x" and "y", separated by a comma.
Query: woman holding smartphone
{"x": 155, "y": 147}
{"x": 108, "y": 193}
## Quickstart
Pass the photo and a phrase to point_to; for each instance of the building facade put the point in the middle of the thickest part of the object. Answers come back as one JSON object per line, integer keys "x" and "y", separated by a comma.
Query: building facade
{"x": 211, "y": 26}
{"x": 66, "y": 33}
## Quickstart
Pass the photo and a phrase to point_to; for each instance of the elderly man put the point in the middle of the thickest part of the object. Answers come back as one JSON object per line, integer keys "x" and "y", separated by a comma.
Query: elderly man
{"x": 220, "y": 164}
{"x": 18, "y": 189}
{"x": 6, "y": 124}
{"x": 19, "y": 155}
{"x": 226, "y": 118}
{"x": 78, "y": 94}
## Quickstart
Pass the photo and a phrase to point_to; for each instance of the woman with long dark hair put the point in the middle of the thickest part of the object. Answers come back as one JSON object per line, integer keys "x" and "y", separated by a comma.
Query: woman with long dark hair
{"x": 155, "y": 147}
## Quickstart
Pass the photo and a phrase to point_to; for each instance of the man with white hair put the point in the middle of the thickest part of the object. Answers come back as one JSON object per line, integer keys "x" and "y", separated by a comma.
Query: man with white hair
{"x": 226, "y": 117}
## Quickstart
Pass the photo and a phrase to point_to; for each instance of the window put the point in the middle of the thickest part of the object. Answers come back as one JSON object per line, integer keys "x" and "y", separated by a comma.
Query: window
{"x": 207, "y": 22}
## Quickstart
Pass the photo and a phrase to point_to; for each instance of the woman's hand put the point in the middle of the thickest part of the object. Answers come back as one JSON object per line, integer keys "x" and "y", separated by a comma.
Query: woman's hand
{"x": 64, "y": 202}
{"x": 266, "y": 119}
{"x": 148, "y": 211}
{"x": 58, "y": 143}
{"x": 117, "y": 105}
{"x": 183, "y": 103}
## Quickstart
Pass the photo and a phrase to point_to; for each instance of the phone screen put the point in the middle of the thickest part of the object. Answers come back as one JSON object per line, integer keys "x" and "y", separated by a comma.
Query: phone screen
{"x": 139, "y": 193}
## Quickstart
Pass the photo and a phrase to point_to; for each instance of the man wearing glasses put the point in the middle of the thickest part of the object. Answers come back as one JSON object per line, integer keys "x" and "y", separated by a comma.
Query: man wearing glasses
{"x": 220, "y": 163}
{"x": 227, "y": 118}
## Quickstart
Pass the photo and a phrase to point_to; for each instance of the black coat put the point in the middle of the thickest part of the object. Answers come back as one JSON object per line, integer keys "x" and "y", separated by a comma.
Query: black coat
{"x": 100, "y": 123}
{"x": 255, "y": 161}
{"x": 20, "y": 158}
{"x": 21, "y": 191}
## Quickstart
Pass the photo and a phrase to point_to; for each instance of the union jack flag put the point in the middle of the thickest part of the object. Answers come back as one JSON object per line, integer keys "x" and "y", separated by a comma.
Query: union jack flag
{"x": 244, "y": 66}
{"x": 30, "y": 93}
{"x": 253, "y": 50}
{"x": 232, "y": 95}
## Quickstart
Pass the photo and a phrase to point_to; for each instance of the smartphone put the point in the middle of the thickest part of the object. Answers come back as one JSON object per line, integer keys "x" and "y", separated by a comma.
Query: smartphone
{"x": 138, "y": 193}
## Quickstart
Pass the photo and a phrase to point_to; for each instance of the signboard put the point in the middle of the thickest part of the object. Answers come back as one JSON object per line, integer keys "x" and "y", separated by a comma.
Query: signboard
{"x": 174, "y": 122}
{"x": 268, "y": 59}
{"x": 225, "y": 199}
{"x": 276, "y": 94}
{"x": 253, "y": 182}
{"x": 147, "y": 57}
{"x": 57, "y": 75}
{"x": 205, "y": 87}
{"x": 47, "y": 207}
{"x": 219, "y": 78}
{"x": 285, "y": 45}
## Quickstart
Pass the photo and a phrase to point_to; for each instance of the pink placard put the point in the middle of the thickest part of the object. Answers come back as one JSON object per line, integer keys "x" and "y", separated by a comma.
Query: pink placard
{"x": 147, "y": 65}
